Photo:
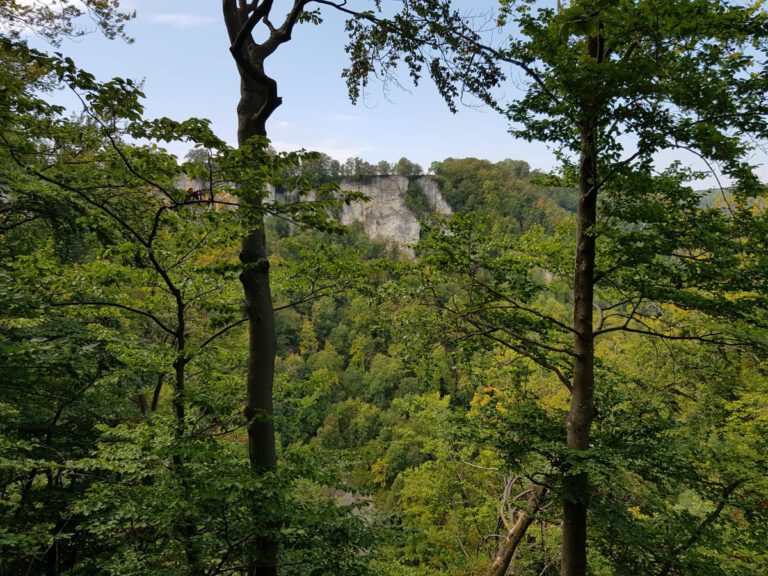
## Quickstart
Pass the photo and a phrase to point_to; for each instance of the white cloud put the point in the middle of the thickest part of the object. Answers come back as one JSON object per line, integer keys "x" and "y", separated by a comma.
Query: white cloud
{"x": 183, "y": 21}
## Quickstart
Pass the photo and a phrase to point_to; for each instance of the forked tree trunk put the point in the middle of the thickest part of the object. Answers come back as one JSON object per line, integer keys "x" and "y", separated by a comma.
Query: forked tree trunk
{"x": 258, "y": 99}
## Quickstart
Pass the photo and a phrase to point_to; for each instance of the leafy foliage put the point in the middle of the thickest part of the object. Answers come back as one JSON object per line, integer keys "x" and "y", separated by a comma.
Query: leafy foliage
{"x": 419, "y": 404}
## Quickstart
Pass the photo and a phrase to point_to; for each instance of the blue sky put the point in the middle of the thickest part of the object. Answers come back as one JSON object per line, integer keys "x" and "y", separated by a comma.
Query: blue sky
{"x": 180, "y": 51}
{"x": 181, "y": 54}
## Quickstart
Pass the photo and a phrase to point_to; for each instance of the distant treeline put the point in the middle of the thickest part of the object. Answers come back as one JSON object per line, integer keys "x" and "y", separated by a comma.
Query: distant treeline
{"x": 323, "y": 168}
{"x": 507, "y": 191}
{"x": 508, "y": 194}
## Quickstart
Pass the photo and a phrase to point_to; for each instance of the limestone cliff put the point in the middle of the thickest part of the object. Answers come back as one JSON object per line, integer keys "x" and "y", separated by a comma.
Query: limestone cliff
{"x": 386, "y": 215}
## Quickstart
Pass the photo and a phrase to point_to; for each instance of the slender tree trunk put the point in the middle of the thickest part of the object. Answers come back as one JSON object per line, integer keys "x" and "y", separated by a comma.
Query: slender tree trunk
{"x": 180, "y": 370}
{"x": 156, "y": 392}
{"x": 517, "y": 533}
{"x": 187, "y": 527}
{"x": 579, "y": 422}
{"x": 576, "y": 487}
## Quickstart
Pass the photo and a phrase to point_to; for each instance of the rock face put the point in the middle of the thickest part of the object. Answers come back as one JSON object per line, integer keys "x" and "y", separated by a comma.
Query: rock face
{"x": 386, "y": 216}
{"x": 435, "y": 198}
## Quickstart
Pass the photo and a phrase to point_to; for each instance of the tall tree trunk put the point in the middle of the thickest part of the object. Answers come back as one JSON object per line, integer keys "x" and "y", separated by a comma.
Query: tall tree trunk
{"x": 261, "y": 337}
{"x": 579, "y": 421}
{"x": 258, "y": 99}
{"x": 258, "y": 299}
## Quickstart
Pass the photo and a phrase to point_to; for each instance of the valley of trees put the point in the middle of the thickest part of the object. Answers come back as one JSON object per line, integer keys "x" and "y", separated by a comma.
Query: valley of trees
{"x": 570, "y": 377}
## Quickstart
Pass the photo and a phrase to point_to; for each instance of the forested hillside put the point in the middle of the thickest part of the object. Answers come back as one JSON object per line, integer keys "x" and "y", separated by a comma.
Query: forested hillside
{"x": 204, "y": 371}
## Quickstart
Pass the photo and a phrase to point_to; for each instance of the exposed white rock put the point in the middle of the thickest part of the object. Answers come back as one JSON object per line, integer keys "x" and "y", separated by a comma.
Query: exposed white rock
{"x": 435, "y": 198}
{"x": 385, "y": 216}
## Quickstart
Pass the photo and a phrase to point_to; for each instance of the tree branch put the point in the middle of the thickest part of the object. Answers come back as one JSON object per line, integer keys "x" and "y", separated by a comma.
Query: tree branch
{"x": 698, "y": 531}
{"x": 99, "y": 303}
{"x": 221, "y": 332}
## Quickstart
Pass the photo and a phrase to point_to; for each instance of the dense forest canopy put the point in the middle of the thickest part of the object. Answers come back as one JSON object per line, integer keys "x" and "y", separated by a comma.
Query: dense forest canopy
{"x": 198, "y": 378}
